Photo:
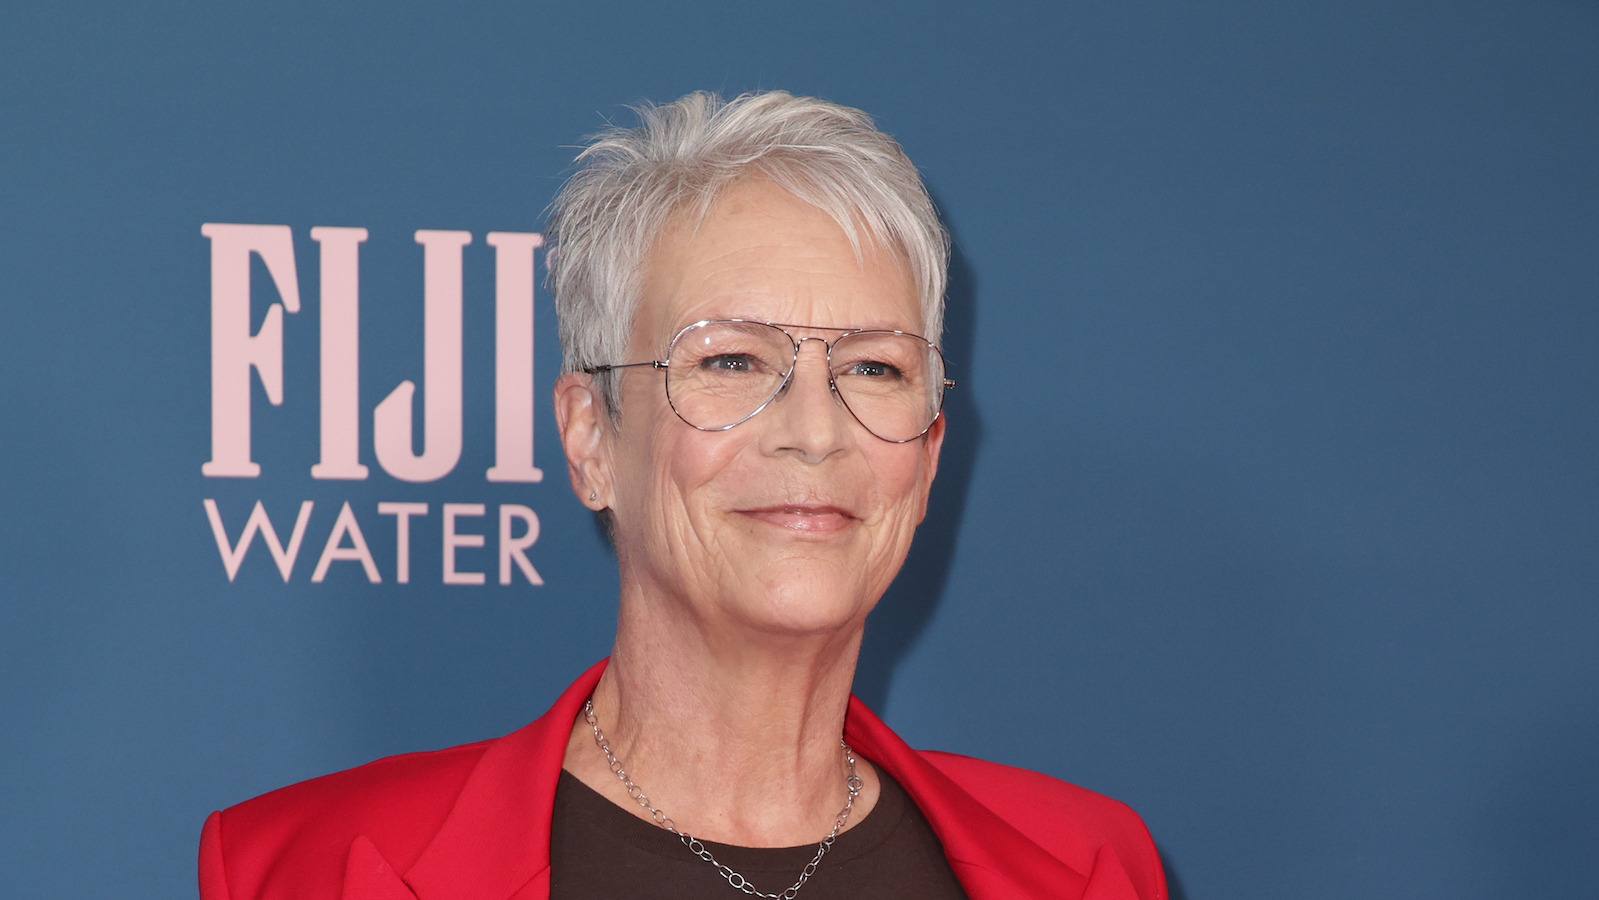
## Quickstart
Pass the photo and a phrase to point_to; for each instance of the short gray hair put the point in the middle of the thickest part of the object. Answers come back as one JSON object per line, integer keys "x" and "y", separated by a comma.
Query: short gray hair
{"x": 631, "y": 182}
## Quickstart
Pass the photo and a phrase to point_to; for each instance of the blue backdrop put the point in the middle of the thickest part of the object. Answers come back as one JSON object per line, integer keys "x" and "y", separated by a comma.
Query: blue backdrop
{"x": 1269, "y": 505}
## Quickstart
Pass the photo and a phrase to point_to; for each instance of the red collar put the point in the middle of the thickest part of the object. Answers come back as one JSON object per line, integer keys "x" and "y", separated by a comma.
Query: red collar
{"x": 495, "y": 843}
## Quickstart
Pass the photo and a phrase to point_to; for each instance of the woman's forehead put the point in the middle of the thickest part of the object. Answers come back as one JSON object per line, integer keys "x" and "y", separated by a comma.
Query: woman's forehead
{"x": 763, "y": 254}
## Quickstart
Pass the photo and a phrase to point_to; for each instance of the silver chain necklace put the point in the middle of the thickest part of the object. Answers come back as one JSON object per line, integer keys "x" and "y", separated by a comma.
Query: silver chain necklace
{"x": 699, "y": 849}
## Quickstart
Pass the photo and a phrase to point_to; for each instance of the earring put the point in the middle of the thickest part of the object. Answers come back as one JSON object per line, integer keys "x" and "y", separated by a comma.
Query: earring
{"x": 593, "y": 496}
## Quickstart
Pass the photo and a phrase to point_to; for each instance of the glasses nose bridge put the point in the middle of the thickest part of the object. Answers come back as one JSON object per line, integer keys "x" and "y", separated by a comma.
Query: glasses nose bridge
{"x": 793, "y": 369}
{"x": 800, "y": 342}
{"x": 827, "y": 357}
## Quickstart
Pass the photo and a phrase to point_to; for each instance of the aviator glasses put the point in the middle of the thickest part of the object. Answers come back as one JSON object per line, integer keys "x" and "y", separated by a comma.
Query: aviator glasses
{"x": 721, "y": 372}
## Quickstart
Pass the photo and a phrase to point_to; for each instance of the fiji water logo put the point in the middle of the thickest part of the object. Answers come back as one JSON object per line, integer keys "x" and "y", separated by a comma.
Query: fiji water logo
{"x": 237, "y": 352}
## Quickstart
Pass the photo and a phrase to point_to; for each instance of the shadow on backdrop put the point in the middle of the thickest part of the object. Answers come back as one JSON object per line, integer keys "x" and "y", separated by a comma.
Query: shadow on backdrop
{"x": 1539, "y": 805}
{"x": 1174, "y": 884}
{"x": 907, "y": 607}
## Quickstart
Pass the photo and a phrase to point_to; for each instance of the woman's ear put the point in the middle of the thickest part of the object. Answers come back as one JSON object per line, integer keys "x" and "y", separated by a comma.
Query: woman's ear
{"x": 583, "y": 421}
{"x": 932, "y": 443}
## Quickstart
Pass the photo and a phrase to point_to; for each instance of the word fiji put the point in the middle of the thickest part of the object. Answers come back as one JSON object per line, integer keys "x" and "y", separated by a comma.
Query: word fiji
{"x": 236, "y": 352}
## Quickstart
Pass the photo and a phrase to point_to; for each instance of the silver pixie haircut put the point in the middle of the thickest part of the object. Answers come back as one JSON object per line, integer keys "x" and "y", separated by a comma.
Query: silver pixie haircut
{"x": 632, "y": 182}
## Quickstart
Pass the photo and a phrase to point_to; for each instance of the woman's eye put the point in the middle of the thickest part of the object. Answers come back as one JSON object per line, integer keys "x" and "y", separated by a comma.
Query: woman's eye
{"x": 873, "y": 369}
{"x": 729, "y": 363}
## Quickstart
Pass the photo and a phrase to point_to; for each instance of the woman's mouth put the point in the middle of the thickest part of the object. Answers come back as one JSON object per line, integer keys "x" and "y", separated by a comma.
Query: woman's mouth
{"x": 807, "y": 518}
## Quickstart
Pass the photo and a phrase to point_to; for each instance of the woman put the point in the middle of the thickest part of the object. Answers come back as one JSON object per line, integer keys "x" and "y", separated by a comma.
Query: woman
{"x": 751, "y": 407}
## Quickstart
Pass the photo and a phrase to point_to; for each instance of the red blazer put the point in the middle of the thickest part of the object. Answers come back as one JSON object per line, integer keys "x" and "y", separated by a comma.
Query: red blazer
{"x": 473, "y": 823}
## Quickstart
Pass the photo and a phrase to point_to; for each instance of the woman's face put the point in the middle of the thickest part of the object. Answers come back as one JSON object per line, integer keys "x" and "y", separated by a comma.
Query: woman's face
{"x": 795, "y": 521}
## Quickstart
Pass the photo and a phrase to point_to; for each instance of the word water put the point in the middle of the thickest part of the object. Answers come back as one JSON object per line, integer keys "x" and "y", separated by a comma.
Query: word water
{"x": 346, "y": 542}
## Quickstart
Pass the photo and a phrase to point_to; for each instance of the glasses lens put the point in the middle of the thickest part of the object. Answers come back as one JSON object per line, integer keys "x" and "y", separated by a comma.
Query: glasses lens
{"x": 893, "y": 383}
{"x": 720, "y": 373}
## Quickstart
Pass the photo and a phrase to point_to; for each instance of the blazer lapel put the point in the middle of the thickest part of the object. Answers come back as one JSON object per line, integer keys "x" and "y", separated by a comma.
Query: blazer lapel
{"x": 368, "y": 876}
{"x": 990, "y": 857}
{"x": 495, "y": 843}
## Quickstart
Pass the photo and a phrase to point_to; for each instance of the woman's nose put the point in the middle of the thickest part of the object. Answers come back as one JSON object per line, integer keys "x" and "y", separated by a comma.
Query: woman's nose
{"x": 805, "y": 417}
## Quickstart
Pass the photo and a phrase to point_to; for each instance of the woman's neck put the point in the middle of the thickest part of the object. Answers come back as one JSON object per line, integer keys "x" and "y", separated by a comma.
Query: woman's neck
{"x": 734, "y": 736}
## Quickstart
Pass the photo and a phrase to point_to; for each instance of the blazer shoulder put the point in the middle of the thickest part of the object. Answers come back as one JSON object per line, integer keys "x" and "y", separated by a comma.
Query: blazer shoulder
{"x": 294, "y": 841}
{"x": 1069, "y": 821}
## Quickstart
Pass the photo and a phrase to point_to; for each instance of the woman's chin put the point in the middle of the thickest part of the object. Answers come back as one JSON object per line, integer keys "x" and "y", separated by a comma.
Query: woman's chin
{"x": 802, "y": 608}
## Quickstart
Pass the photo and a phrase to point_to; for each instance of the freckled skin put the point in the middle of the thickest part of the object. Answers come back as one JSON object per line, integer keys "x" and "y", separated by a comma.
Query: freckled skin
{"x": 749, "y": 557}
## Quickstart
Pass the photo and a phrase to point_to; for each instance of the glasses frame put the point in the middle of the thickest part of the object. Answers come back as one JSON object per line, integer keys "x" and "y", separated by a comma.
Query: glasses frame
{"x": 788, "y": 376}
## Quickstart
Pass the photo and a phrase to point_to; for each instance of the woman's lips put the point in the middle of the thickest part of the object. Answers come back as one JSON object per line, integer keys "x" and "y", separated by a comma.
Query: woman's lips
{"x": 811, "y": 519}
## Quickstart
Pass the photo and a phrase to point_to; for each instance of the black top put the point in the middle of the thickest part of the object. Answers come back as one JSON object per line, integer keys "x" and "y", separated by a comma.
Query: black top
{"x": 600, "y": 851}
